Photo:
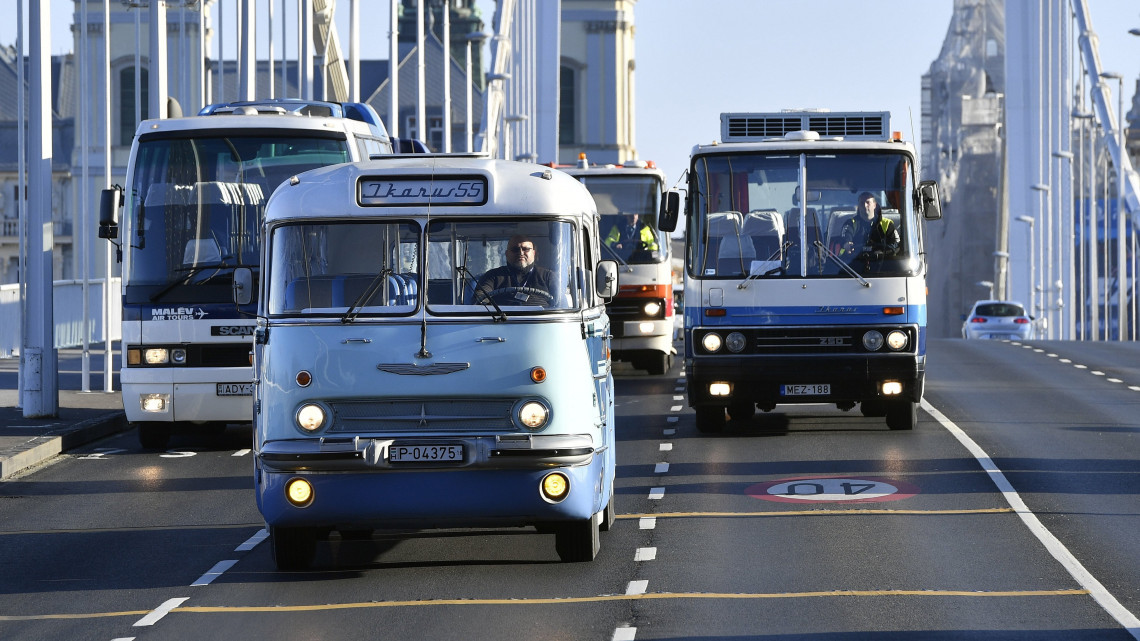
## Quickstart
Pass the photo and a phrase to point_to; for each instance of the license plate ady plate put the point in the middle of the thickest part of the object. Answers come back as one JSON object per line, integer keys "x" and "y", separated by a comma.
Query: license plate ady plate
{"x": 808, "y": 389}
{"x": 398, "y": 453}
{"x": 235, "y": 389}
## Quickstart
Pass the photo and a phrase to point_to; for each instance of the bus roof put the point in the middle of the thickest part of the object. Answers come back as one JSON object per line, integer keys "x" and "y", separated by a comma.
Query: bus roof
{"x": 233, "y": 122}
{"x": 821, "y": 145}
{"x": 445, "y": 183}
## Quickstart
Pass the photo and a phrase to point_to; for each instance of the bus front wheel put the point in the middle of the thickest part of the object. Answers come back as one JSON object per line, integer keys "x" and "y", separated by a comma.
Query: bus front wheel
{"x": 710, "y": 420}
{"x": 577, "y": 541}
{"x": 293, "y": 547}
{"x": 902, "y": 415}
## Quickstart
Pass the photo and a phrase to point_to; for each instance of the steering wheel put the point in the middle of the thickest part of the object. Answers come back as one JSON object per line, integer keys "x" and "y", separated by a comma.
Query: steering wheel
{"x": 512, "y": 291}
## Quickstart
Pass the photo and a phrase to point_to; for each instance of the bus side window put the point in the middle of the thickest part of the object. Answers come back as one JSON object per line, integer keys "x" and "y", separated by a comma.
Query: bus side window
{"x": 586, "y": 286}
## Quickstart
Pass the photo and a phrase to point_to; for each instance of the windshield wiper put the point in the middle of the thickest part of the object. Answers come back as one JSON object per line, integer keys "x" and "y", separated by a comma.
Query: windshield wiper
{"x": 613, "y": 252}
{"x": 781, "y": 251}
{"x": 190, "y": 273}
{"x": 842, "y": 265}
{"x": 499, "y": 316}
{"x": 354, "y": 309}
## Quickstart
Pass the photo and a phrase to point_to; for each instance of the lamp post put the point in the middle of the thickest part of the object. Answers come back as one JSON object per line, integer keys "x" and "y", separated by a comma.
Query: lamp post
{"x": 1046, "y": 259}
{"x": 508, "y": 151}
{"x": 1121, "y": 266}
{"x": 1001, "y": 273}
{"x": 1028, "y": 220}
{"x": 477, "y": 37}
{"x": 989, "y": 285}
{"x": 1090, "y": 319}
{"x": 1065, "y": 221}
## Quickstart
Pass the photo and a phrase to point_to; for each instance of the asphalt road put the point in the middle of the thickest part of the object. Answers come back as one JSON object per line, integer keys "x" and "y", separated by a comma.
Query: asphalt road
{"x": 806, "y": 523}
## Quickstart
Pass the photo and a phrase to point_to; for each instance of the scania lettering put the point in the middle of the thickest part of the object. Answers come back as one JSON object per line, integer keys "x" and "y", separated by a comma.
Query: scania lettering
{"x": 794, "y": 293}
{"x": 629, "y": 196}
{"x": 440, "y": 359}
{"x": 195, "y": 195}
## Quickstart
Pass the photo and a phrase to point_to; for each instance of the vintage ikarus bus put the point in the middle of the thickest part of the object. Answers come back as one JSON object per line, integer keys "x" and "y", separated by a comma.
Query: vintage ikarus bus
{"x": 432, "y": 351}
{"x": 805, "y": 269}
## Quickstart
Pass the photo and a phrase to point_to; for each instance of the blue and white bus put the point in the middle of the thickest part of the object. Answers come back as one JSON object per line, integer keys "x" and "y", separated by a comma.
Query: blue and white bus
{"x": 195, "y": 194}
{"x": 432, "y": 350}
{"x": 805, "y": 269}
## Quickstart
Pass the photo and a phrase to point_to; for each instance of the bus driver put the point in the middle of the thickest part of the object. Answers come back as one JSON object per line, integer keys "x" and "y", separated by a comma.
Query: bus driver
{"x": 520, "y": 281}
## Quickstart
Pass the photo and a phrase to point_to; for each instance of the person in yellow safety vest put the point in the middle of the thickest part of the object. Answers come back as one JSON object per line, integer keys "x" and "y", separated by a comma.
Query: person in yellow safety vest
{"x": 631, "y": 236}
{"x": 868, "y": 236}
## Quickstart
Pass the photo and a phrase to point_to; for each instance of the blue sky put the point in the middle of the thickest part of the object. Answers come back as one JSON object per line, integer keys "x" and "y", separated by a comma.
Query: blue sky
{"x": 697, "y": 59}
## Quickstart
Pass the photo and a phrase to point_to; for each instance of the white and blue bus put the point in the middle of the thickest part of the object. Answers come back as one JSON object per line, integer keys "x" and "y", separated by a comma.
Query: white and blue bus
{"x": 432, "y": 350}
{"x": 805, "y": 269}
{"x": 194, "y": 202}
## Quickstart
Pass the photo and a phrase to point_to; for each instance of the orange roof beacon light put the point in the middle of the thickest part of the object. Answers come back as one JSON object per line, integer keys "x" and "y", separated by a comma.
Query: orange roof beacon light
{"x": 896, "y": 136}
{"x": 582, "y": 162}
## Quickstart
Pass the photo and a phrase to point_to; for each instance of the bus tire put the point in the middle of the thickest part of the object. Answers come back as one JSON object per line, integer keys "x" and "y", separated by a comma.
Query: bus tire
{"x": 293, "y": 547}
{"x": 153, "y": 435}
{"x": 609, "y": 516}
{"x": 902, "y": 415}
{"x": 710, "y": 419}
{"x": 659, "y": 363}
{"x": 577, "y": 541}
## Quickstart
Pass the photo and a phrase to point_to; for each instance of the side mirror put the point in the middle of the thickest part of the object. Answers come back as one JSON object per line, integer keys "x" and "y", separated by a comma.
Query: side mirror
{"x": 928, "y": 202}
{"x": 607, "y": 279}
{"x": 110, "y": 202}
{"x": 670, "y": 211}
{"x": 243, "y": 285}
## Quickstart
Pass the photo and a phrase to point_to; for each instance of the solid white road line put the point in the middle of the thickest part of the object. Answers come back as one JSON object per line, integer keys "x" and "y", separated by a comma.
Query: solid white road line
{"x": 1099, "y": 593}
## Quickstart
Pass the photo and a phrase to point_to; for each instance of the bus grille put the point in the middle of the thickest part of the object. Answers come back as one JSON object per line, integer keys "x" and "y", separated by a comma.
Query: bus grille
{"x": 427, "y": 416}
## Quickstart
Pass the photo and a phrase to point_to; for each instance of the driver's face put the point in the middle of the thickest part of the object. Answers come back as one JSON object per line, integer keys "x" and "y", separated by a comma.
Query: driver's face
{"x": 520, "y": 254}
{"x": 870, "y": 206}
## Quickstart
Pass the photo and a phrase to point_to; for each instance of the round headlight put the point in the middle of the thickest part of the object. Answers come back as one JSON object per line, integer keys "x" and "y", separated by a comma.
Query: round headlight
{"x": 872, "y": 340}
{"x": 896, "y": 340}
{"x": 310, "y": 417}
{"x": 735, "y": 342}
{"x": 652, "y": 308}
{"x": 178, "y": 355}
{"x": 533, "y": 415}
{"x": 711, "y": 342}
{"x": 299, "y": 492}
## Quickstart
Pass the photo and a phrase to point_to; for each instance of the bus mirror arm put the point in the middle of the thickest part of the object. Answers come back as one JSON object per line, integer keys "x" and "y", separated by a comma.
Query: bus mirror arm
{"x": 243, "y": 285}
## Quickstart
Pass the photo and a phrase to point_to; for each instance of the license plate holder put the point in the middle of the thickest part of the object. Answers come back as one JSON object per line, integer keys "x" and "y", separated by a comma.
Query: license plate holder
{"x": 806, "y": 389}
{"x": 234, "y": 389}
{"x": 425, "y": 453}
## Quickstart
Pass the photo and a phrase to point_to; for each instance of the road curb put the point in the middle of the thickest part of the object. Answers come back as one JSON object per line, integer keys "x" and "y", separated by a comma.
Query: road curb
{"x": 42, "y": 448}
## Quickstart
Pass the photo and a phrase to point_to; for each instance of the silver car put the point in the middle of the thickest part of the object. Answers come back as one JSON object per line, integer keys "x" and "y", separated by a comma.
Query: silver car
{"x": 1000, "y": 319}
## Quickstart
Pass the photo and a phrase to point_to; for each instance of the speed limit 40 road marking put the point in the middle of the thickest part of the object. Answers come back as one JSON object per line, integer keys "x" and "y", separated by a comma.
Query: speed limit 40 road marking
{"x": 832, "y": 489}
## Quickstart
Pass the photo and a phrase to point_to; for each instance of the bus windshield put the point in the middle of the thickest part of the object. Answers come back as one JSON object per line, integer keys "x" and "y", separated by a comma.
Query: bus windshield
{"x": 197, "y": 204}
{"x": 851, "y": 215}
{"x": 629, "y": 206}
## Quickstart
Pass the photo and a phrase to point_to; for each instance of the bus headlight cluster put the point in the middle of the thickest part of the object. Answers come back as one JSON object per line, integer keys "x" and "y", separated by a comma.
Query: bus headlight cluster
{"x": 533, "y": 415}
{"x": 896, "y": 340}
{"x": 735, "y": 342}
{"x": 156, "y": 356}
{"x": 310, "y": 417}
{"x": 652, "y": 308}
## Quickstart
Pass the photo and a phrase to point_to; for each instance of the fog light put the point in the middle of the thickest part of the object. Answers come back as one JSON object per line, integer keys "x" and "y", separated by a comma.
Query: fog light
{"x": 720, "y": 389}
{"x": 896, "y": 340}
{"x": 711, "y": 342}
{"x": 153, "y": 402}
{"x": 299, "y": 492}
{"x": 178, "y": 356}
{"x": 555, "y": 486}
{"x": 157, "y": 355}
{"x": 311, "y": 417}
{"x": 645, "y": 328}
{"x": 892, "y": 388}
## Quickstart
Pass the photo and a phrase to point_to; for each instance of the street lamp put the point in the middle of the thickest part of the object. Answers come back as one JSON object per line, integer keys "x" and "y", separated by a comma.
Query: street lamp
{"x": 477, "y": 37}
{"x": 508, "y": 150}
{"x": 1045, "y": 251}
{"x": 1089, "y": 255}
{"x": 989, "y": 285}
{"x": 1001, "y": 273}
{"x": 1028, "y": 220}
{"x": 1121, "y": 321}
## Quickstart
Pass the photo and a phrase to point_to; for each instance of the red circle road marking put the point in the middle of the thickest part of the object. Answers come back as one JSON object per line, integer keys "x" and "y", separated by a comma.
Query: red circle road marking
{"x": 832, "y": 489}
